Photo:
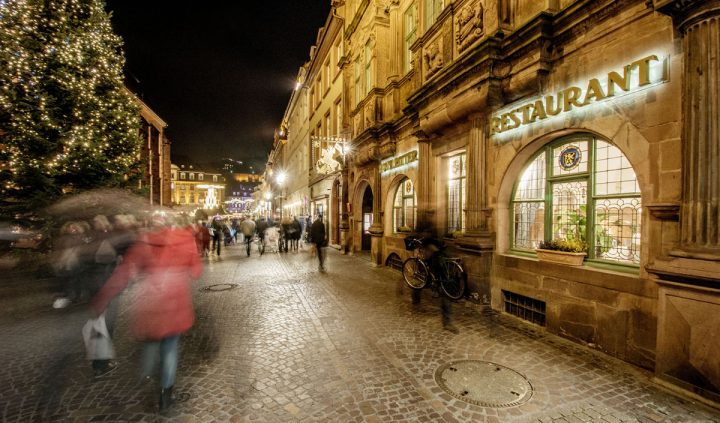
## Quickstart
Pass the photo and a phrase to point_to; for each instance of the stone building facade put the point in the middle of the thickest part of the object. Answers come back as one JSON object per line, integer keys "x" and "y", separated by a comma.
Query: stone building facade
{"x": 155, "y": 153}
{"x": 499, "y": 125}
{"x": 309, "y": 146}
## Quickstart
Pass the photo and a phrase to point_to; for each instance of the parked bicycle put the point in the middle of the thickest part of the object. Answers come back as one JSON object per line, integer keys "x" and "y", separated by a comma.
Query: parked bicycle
{"x": 447, "y": 273}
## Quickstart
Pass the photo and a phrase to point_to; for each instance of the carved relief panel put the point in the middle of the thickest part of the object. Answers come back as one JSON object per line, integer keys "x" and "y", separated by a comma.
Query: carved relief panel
{"x": 469, "y": 25}
{"x": 433, "y": 58}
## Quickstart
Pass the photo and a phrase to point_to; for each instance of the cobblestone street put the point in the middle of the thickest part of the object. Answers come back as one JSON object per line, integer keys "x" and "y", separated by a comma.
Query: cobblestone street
{"x": 283, "y": 342}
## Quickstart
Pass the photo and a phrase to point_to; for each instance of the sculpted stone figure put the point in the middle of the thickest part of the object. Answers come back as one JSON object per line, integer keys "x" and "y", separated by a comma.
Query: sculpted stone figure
{"x": 433, "y": 59}
{"x": 469, "y": 25}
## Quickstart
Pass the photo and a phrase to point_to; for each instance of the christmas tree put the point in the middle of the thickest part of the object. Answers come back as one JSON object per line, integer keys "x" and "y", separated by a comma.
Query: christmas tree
{"x": 67, "y": 122}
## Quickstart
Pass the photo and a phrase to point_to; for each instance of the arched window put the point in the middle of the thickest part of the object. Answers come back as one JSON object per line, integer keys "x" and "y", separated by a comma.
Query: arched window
{"x": 583, "y": 189}
{"x": 404, "y": 209}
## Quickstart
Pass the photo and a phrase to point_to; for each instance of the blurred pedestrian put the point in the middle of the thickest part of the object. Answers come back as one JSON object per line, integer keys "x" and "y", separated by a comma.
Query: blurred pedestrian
{"x": 103, "y": 257}
{"x": 247, "y": 227}
{"x": 433, "y": 250}
{"x": 261, "y": 227}
{"x": 217, "y": 234}
{"x": 163, "y": 262}
{"x": 317, "y": 237}
{"x": 67, "y": 262}
{"x": 295, "y": 232}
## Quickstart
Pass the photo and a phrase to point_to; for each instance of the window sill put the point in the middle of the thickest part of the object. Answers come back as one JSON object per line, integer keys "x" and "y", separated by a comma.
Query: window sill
{"x": 626, "y": 269}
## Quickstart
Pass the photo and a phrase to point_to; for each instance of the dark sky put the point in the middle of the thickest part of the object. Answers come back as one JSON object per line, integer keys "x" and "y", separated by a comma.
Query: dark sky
{"x": 220, "y": 73}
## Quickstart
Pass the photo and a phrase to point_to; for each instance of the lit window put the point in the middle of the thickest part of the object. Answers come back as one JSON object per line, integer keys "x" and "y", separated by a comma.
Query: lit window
{"x": 404, "y": 207}
{"x": 368, "y": 59}
{"x": 456, "y": 192}
{"x": 215, "y": 178}
{"x": 433, "y": 8}
{"x": 410, "y": 35}
{"x": 192, "y": 176}
{"x": 358, "y": 82}
{"x": 201, "y": 176}
{"x": 182, "y": 175}
{"x": 580, "y": 189}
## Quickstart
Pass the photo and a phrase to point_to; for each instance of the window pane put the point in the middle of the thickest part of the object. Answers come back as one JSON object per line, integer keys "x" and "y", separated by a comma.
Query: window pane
{"x": 532, "y": 182}
{"x": 570, "y": 210}
{"x": 529, "y": 224}
{"x": 454, "y": 199}
{"x": 613, "y": 172}
{"x": 617, "y": 229}
{"x": 570, "y": 158}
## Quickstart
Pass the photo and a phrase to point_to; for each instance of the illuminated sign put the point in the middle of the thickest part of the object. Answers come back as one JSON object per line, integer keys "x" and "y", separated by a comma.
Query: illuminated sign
{"x": 640, "y": 73}
{"x": 399, "y": 161}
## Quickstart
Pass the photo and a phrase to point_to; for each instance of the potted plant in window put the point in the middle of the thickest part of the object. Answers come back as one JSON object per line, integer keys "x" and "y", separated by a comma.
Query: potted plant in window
{"x": 569, "y": 252}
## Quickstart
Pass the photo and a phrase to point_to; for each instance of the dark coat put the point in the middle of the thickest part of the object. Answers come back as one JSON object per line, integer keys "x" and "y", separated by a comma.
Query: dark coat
{"x": 317, "y": 233}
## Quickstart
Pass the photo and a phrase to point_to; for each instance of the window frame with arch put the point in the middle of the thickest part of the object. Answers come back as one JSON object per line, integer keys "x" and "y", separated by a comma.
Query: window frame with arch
{"x": 571, "y": 178}
{"x": 400, "y": 188}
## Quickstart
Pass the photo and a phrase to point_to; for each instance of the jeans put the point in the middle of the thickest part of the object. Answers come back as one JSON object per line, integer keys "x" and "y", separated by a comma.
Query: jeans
{"x": 167, "y": 351}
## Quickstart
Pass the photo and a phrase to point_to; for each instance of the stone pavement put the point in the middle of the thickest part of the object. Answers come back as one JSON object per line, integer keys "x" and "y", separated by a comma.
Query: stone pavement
{"x": 288, "y": 344}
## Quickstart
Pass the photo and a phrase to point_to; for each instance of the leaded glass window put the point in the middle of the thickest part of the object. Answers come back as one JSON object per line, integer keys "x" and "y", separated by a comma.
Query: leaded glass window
{"x": 456, "y": 192}
{"x": 404, "y": 207}
{"x": 581, "y": 189}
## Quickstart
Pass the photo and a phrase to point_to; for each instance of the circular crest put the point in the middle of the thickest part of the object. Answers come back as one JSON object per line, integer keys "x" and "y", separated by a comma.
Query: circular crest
{"x": 570, "y": 157}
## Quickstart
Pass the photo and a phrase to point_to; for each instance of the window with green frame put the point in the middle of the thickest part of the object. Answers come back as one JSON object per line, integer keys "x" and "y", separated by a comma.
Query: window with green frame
{"x": 404, "y": 207}
{"x": 456, "y": 167}
{"x": 584, "y": 189}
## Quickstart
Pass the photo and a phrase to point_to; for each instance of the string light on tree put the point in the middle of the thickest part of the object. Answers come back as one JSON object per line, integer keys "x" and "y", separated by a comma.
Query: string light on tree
{"x": 66, "y": 119}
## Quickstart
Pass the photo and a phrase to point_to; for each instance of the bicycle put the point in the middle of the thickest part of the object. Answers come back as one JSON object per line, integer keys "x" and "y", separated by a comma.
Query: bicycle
{"x": 416, "y": 271}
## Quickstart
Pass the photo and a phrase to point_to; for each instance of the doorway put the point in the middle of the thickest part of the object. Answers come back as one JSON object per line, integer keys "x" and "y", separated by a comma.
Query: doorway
{"x": 367, "y": 218}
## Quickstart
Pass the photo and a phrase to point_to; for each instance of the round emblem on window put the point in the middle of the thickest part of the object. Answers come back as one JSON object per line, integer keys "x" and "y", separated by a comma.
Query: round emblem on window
{"x": 570, "y": 157}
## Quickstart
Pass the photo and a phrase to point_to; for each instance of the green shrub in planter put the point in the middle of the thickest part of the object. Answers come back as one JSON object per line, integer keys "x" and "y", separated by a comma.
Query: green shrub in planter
{"x": 568, "y": 246}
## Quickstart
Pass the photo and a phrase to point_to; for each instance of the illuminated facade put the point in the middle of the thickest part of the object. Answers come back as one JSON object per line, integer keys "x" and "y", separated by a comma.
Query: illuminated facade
{"x": 194, "y": 188}
{"x": 503, "y": 125}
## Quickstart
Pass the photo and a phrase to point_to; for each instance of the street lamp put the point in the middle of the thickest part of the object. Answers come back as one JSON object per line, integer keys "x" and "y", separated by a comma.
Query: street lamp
{"x": 268, "y": 197}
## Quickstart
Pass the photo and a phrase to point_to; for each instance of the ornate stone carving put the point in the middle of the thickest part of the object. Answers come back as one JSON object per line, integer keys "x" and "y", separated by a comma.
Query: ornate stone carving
{"x": 370, "y": 113}
{"x": 433, "y": 58}
{"x": 469, "y": 25}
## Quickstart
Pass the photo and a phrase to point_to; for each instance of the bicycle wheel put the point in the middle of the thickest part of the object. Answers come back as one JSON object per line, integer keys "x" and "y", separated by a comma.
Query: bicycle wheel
{"x": 454, "y": 285}
{"x": 415, "y": 273}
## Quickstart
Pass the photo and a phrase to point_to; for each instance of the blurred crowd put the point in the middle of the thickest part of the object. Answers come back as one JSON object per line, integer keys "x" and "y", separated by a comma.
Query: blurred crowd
{"x": 156, "y": 258}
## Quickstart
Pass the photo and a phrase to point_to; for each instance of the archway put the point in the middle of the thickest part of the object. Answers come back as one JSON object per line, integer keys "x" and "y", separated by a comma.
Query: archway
{"x": 367, "y": 218}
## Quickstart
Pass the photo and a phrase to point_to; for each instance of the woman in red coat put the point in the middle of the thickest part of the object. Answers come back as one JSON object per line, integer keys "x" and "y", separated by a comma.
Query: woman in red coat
{"x": 163, "y": 263}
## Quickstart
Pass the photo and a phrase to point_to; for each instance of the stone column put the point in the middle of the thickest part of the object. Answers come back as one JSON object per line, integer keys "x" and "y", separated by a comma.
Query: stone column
{"x": 423, "y": 187}
{"x": 477, "y": 210}
{"x": 478, "y": 239}
{"x": 689, "y": 279}
{"x": 698, "y": 21}
{"x": 377, "y": 228}
{"x": 344, "y": 215}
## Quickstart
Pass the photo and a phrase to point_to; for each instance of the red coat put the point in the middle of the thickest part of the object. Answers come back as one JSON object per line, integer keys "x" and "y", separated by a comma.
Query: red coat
{"x": 163, "y": 264}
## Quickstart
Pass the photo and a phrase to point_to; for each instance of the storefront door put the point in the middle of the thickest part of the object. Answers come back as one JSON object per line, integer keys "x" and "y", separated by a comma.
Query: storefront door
{"x": 367, "y": 211}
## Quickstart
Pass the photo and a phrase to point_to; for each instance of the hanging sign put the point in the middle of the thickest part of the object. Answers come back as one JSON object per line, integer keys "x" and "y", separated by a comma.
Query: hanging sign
{"x": 634, "y": 76}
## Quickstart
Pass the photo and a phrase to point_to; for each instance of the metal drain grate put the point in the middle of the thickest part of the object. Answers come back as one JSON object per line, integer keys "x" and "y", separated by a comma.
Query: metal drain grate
{"x": 524, "y": 307}
{"x": 218, "y": 287}
{"x": 484, "y": 383}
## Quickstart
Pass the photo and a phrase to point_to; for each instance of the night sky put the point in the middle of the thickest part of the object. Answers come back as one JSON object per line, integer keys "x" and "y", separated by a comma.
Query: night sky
{"x": 220, "y": 73}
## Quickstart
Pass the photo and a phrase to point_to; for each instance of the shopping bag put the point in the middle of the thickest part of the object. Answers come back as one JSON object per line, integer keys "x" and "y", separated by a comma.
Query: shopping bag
{"x": 313, "y": 250}
{"x": 98, "y": 345}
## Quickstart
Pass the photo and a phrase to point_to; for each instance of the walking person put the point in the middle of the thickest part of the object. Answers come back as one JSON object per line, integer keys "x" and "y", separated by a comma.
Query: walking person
{"x": 317, "y": 237}
{"x": 217, "y": 234}
{"x": 247, "y": 227}
{"x": 162, "y": 263}
{"x": 433, "y": 250}
{"x": 295, "y": 230}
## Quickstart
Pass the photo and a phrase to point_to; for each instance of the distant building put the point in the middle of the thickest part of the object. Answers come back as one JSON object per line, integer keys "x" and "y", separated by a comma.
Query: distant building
{"x": 155, "y": 152}
{"x": 239, "y": 197}
{"x": 194, "y": 188}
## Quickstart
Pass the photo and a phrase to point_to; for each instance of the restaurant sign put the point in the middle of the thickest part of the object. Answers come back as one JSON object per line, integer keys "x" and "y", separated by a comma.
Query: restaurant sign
{"x": 641, "y": 73}
{"x": 398, "y": 162}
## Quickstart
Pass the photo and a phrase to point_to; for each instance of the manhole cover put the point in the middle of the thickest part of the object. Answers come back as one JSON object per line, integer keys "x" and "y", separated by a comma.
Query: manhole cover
{"x": 220, "y": 287}
{"x": 483, "y": 383}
